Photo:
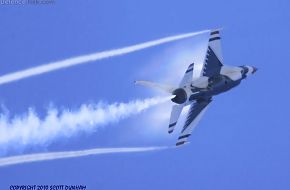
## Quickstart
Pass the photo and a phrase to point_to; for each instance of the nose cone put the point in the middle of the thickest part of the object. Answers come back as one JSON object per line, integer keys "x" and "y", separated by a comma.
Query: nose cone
{"x": 254, "y": 69}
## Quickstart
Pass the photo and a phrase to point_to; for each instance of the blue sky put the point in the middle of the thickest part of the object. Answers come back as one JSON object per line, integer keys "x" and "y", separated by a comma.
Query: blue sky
{"x": 241, "y": 143}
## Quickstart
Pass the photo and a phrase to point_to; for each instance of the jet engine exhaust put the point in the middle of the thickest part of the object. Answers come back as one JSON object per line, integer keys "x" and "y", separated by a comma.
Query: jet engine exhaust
{"x": 180, "y": 96}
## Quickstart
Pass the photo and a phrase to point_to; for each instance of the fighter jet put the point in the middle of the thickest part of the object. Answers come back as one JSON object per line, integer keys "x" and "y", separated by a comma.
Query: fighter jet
{"x": 200, "y": 83}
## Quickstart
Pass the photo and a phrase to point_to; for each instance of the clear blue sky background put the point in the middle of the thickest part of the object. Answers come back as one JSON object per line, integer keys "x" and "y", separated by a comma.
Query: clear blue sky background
{"x": 241, "y": 143}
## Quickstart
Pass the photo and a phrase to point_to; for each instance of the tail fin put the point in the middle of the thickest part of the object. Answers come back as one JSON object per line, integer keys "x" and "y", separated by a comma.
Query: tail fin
{"x": 163, "y": 87}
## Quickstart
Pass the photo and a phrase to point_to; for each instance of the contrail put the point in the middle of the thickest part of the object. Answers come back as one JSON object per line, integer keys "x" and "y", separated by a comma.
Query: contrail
{"x": 29, "y": 129}
{"x": 6, "y": 161}
{"x": 89, "y": 58}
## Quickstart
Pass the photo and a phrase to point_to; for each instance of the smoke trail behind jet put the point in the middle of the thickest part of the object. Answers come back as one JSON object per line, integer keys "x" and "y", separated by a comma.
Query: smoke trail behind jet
{"x": 89, "y": 58}
{"x": 6, "y": 161}
{"x": 30, "y": 129}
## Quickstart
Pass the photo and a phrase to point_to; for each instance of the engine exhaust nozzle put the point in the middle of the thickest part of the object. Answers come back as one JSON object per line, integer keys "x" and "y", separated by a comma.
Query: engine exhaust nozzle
{"x": 180, "y": 96}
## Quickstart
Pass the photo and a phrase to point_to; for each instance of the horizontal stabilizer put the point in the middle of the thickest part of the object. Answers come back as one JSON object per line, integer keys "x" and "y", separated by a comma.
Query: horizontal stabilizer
{"x": 195, "y": 113}
{"x": 187, "y": 77}
{"x": 163, "y": 87}
{"x": 175, "y": 113}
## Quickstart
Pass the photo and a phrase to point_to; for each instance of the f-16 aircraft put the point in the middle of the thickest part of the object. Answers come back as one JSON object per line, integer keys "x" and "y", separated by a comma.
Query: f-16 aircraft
{"x": 199, "y": 84}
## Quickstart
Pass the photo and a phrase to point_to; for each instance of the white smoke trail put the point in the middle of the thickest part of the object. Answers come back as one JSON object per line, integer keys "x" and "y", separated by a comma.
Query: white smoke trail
{"x": 29, "y": 129}
{"x": 6, "y": 161}
{"x": 88, "y": 58}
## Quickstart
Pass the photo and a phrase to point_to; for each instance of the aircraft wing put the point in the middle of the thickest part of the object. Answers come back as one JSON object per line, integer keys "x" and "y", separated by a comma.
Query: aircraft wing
{"x": 213, "y": 61}
{"x": 212, "y": 64}
{"x": 196, "y": 111}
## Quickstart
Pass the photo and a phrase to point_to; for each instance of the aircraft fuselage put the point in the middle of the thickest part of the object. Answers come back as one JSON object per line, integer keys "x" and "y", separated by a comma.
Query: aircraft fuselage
{"x": 216, "y": 85}
{"x": 207, "y": 87}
